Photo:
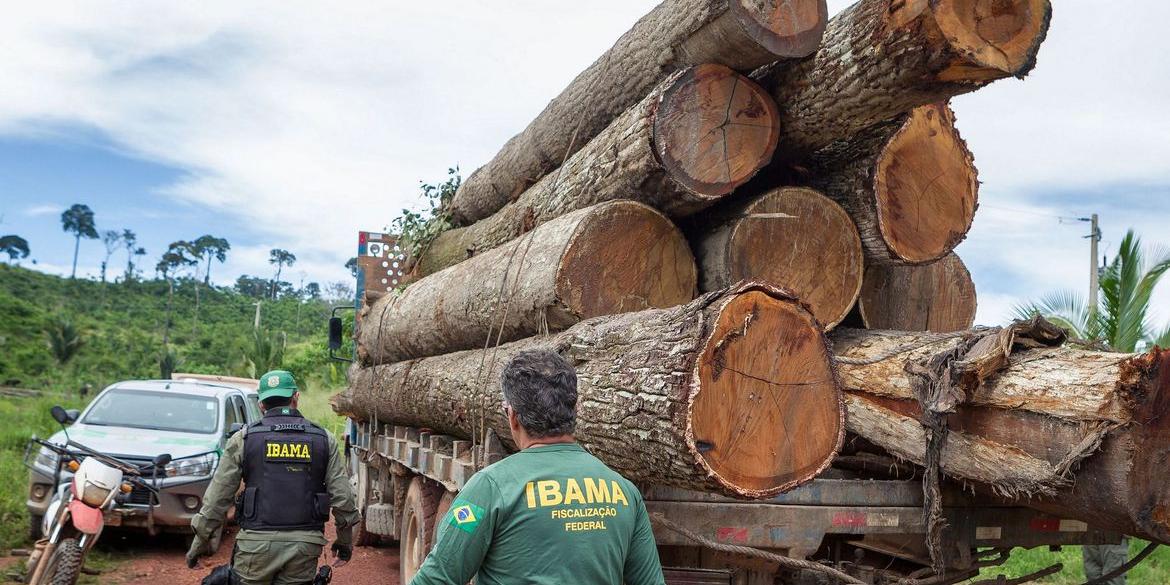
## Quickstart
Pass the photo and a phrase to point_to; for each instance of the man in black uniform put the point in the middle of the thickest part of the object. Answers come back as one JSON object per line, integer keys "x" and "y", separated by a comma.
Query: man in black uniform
{"x": 293, "y": 474}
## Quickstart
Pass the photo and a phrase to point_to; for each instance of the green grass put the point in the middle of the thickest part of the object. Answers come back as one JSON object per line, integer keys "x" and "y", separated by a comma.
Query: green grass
{"x": 20, "y": 418}
{"x": 1155, "y": 570}
{"x": 314, "y": 404}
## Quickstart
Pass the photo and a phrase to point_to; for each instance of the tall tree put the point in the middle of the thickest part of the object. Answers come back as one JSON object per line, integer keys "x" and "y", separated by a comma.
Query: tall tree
{"x": 78, "y": 220}
{"x": 129, "y": 240}
{"x": 15, "y": 246}
{"x": 112, "y": 241}
{"x": 280, "y": 258}
{"x": 173, "y": 261}
{"x": 210, "y": 248}
{"x": 1121, "y": 319}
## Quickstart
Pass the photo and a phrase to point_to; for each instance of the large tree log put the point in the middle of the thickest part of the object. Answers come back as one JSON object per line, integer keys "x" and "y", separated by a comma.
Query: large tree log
{"x": 734, "y": 392}
{"x": 792, "y": 237}
{"x": 742, "y": 34}
{"x": 910, "y": 185}
{"x": 881, "y": 58}
{"x": 701, "y": 133}
{"x": 614, "y": 257}
{"x": 937, "y": 297}
{"x": 1082, "y": 434}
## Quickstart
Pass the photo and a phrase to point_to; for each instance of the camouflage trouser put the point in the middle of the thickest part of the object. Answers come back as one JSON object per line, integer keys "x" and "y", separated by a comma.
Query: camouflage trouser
{"x": 1103, "y": 558}
{"x": 259, "y": 562}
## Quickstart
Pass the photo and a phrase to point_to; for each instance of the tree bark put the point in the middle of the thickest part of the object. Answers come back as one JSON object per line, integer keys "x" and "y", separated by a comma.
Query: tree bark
{"x": 1082, "y": 434}
{"x": 910, "y": 184}
{"x": 882, "y": 58}
{"x": 937, "y": 297}
{"x": 700, "y": 134}
{"x": 614, "y": 257}
{"x": 792, "y": 237}
{"x": 741, "y": 34}
{"x": 734, "y": 392}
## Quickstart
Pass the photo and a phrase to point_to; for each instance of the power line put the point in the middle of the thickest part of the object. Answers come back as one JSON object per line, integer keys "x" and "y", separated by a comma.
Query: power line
{"x": 1061, "y": 218}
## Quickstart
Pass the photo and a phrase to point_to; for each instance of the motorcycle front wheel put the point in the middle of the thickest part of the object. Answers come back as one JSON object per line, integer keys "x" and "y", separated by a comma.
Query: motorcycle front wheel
{"x": 65, "y": 564}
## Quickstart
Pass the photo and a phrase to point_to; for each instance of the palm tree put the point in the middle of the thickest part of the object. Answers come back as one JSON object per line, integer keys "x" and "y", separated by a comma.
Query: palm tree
{"x": 112, "y": 240}
{"x": 15, "y": 246}
{"x": 1121, "y": 319}
{"x": 265, "y": 352}
{"x": 64, "y": 340}
{"x": 280, "y": 258}
{"x": 78, "y": 220}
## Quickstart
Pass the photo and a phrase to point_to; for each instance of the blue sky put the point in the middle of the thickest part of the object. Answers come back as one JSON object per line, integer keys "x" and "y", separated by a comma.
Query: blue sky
{"x": 296, "y": 125}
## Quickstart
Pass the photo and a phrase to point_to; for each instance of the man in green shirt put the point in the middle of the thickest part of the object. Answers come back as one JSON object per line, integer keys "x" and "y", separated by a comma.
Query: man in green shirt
{"x": 293, "y": 475}
{"x": 551, "y": 513}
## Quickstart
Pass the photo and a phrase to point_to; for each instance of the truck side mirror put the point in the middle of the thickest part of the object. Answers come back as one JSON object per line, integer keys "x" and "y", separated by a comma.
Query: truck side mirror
{"x": 62, "y": 416}
{"x": 335, "y": 332}
{"x": 74, "y": 414}
{"x": 162, "y": 460}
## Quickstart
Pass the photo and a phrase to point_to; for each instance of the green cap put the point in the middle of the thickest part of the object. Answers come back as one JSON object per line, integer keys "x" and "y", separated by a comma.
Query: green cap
{"x": 277, "y": 383}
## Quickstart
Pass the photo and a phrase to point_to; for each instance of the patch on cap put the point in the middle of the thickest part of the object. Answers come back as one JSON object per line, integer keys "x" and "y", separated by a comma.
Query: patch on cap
{"x": 273, "y": 381}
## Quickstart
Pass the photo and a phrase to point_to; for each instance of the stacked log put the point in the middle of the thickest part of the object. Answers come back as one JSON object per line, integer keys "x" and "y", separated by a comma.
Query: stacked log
{"x": 734, "y": 392}
{"x": 615, "y": 257}
{"x": 793, "y": 237}
{"x": 1025, "y": 427}
{"x": 741, "y": 34}
{"x": 910, "y": 185}
{"x": 882, "y": 58}
{"x": 697, "y": 136}
{"x": 937, "y": 297}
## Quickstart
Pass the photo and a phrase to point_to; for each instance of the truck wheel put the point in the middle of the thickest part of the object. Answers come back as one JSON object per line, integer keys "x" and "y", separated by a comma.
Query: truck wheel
{"x": 441, "y": 513}
{"x": 361, "y": 483}
{"x": 65, "y": 565}
{"x": 418, "y": 513}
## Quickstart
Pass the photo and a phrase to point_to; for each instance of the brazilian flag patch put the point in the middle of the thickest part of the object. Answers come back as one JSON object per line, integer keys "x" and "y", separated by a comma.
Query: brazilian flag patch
{"x": 465, "y": 516}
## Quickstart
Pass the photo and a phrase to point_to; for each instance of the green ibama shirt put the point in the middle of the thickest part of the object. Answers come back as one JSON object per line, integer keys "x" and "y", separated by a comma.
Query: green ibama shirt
{"x": 550, "y": 514}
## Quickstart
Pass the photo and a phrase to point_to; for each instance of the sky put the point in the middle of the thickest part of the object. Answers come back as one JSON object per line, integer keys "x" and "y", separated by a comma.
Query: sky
{"x": 295, "y": 124}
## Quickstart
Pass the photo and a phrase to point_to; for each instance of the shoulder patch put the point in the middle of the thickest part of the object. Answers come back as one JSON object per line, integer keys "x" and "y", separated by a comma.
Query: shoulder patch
{"x": 466, "y": 516}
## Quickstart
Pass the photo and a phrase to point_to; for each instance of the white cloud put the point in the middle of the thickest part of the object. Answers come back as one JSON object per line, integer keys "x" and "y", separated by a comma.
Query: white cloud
{"x": 47, "y": 209}
{"x": 308, "y": 121}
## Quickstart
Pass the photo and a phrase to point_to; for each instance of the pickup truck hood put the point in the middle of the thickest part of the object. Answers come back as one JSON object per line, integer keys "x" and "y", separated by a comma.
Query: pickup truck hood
{"x": 139, "y": 443}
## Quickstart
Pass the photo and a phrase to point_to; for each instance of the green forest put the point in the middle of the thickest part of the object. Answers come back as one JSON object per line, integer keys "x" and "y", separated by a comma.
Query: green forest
{"x": 62, "y": 334}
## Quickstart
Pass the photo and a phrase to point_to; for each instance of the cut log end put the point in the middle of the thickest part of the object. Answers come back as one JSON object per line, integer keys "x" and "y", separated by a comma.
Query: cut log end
{"x": 802, "y": 241}
{"x": 1148, "y": 377}
{"x": 787, "y": 28}
{"x": 926, "y": 187}
{"x": 768, "y": 413}
{"x": 937, "y": 297}
{"x": 626, "y": 257}
{"x": 996, "y": 38}
{"x": 714, "y": 129}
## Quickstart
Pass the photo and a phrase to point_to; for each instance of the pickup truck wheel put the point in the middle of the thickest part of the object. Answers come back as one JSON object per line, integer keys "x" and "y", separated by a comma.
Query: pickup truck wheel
{"x": 34, "y": 527}
{"x": 418, "y": 513}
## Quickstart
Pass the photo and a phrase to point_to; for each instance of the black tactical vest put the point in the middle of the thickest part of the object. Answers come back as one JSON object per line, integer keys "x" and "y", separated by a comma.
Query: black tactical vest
{"x": 285, "y": 462}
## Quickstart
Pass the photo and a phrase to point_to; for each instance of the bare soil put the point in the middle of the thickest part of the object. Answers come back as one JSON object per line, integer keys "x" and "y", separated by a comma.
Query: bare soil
{"x": 163, "y": 560}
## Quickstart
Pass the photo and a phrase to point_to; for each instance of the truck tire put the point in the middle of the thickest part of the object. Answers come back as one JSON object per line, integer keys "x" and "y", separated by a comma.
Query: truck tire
{"x": 34, "y": 527}
{"x": 361, "y": 483}
{"x": 65, "y": 565}
{"x": 441, "y": 513}
{"x": 417, "y": 528}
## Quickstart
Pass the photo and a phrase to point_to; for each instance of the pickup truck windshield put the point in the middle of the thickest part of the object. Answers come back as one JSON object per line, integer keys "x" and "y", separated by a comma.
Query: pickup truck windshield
{"x": 158, "y": 411}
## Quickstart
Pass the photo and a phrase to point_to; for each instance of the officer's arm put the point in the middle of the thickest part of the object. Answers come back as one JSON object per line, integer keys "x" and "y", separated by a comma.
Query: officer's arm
{"x": 464, "y": 536}
{"x": 341, "y": 496}
{"x": 221, "y": 493}
{"x": 642, "y": 564}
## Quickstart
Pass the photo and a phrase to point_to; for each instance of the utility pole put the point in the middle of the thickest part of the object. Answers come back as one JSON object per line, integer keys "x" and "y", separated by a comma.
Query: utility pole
{"x": 1094, "y": 274}
{"x": 256, "y": 322}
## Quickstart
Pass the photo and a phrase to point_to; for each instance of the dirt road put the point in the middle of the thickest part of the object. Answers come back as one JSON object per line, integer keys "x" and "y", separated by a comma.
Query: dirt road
{"x": 162, "y": 560}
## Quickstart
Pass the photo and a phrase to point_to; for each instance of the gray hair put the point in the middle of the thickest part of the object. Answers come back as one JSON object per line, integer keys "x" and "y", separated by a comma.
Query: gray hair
{"x": 541, "y": 388}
